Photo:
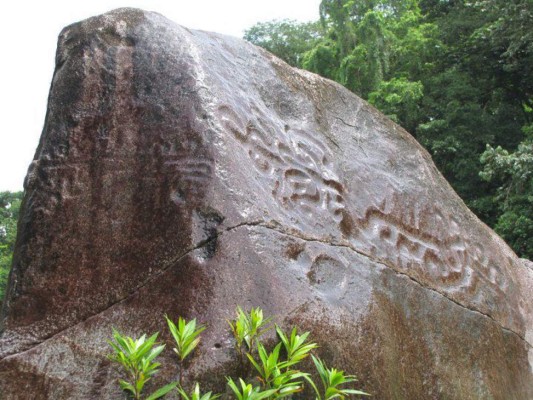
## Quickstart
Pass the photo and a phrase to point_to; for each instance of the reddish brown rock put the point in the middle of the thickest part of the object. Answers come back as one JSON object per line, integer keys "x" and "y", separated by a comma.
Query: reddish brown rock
{"x": 186, "y": 172}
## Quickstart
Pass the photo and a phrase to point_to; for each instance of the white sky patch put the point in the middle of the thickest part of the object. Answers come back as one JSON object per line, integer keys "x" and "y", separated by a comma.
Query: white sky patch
{"x": 28, "y": 36}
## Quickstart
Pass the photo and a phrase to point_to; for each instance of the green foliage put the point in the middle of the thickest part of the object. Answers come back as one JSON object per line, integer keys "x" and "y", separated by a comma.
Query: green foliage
{"x": 515, "y": 225}
{"x": 503, "y": 35}
{"x": 399, "y": 99}
{"x": 4, "y": 275}
{"x": 163, "y": 391}
{"x": 332, "y": 379}
{"x": 9, "y": 213}
{"x": 513, "y": 173}
{"x": 287, "y": 39}
{"x": 196, "y": 394}
{"x": 277, "y": 376}
{"x": 295, "y": 345}
{"x": 248, "y": 392}
{"x": 185, "y": 335}
{"x": 370, "y": 56}
{"x": 514, "y": 169}
{"x": 322, "y": 59}
{"x": 247, "y": 327}
{"x": 136, "y": 356}
{"x": 474, "y": 97}
{"x": 276, "y": 370}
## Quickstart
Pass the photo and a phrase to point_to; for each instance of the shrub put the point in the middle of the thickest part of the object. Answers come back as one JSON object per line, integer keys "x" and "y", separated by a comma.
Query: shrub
{"x": 277, "y": 374}
{"x": 137, "y": 357}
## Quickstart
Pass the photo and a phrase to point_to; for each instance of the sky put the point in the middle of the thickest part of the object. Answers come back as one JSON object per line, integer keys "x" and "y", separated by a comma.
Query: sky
{"x": 28, "y": 35}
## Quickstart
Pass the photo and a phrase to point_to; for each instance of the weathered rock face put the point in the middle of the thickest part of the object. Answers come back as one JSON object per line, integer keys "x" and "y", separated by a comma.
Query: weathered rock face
{"x": 185, "y": 173}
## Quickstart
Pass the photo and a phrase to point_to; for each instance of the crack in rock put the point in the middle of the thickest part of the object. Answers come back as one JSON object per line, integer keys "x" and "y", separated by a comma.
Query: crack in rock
{"x": 278, "y": 228}
{"x": 152, "y": 277}
{"x": 275, "y": 227}
{"x": 173, "y": 262}
{"x": 357, "y": 135}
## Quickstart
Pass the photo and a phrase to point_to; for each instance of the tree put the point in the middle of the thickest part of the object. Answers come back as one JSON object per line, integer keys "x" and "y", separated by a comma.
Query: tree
{"x": 472, "y": 98}
{"x": 289, "y": 40}
{"x": 9, "y": 213}
{"x": 513, "y": 172}
{"x": 399, "y": 99}
{"x": 507, "y": 38}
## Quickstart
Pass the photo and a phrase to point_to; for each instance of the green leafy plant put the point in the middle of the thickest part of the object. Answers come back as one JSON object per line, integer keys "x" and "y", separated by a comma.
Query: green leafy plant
{"x": 247, "y": 391}
{"x": 332, "y": 379}
{"x": 137, "y": 357}
{"x": 276, "y": 369}
{"x": 246, "y": 329}
{"x": 277, "y": 372}
{"x": 296, "y": 347}
{"x": 186, "y": 335}
{"x": 196, "y": 394}
{"x": 274, "y": 373}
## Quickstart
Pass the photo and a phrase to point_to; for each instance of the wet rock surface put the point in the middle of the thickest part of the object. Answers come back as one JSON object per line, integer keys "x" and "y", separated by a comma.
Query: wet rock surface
{"x": 184, "y": 173}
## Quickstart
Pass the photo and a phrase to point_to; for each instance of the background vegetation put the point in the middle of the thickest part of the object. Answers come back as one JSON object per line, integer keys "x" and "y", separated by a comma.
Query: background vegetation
{"x": 9, "y": 213}
{"x": 456, "y": 74}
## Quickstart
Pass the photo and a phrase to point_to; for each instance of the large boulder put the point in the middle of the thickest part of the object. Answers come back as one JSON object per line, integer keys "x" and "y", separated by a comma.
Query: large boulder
{"x": 184, "y": 173}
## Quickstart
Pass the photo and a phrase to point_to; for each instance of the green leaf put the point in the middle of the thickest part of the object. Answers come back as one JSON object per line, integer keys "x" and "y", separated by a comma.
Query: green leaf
{"x": 162, "y": 391}
{"x": 331, "y": 380}
{"x": 185, "y": 335}
{"x": 248, "y": 327}
{"x": 155, "y": 352}
{"x": 295, "y": 346}
{"x": 126, "y": 386}
{"x": 353, "y": 391}
{"x": 136, "y": 356}
{"x": 196, "y": 394}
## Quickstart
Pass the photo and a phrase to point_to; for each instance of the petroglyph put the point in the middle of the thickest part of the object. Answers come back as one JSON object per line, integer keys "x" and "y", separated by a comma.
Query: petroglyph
{"x": 329, "y": 276}
{"x": 428, "y": 245}
{"x": 420, "y": 240}
{"x": 299, "y": 165}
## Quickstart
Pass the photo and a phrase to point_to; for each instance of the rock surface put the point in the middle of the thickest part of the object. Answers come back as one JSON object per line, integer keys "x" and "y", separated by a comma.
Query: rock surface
{"x": 185, "y": 173}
